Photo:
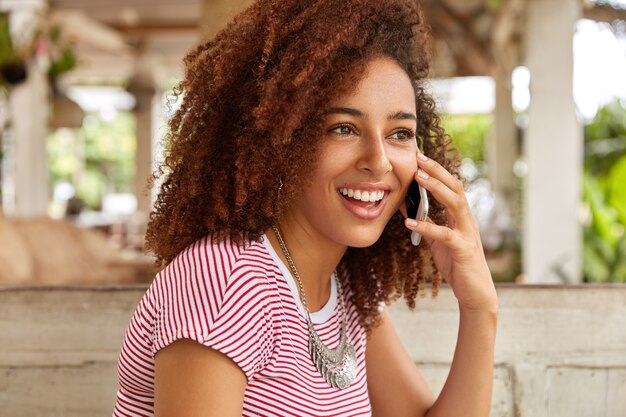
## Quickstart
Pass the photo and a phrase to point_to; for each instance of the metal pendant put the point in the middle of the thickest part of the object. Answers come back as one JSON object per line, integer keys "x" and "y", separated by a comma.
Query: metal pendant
{"x": 337, "y": 366}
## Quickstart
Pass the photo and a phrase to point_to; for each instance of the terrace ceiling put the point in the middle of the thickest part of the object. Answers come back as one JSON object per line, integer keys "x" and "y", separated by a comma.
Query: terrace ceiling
{"x": 472, "y": 37}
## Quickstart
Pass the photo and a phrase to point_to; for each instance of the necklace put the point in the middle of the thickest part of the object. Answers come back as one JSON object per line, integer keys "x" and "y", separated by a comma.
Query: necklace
{"x": 337, "y": 366}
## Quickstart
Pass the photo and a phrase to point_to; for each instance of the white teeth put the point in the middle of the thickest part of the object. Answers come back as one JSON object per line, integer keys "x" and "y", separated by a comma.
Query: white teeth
{"x": 366, "y": 196}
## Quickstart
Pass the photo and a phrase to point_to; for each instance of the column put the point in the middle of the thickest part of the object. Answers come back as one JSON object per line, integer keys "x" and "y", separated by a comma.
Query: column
{"x": 501, "y": 151}
{"x": 25, "y": 179}
{"x": 143, "y": 157}
{"x": 552, "y": 237}
{"x": 142, "y": 87}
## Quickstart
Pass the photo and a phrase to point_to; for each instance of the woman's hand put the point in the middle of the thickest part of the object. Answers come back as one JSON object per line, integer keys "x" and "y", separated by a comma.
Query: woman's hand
{"x": 456, "y": 249}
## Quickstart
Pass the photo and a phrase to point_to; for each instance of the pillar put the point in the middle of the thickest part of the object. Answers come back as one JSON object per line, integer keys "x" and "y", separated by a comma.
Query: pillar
{"x": 143, "y": 157}
{"x": 552, "y": 237}
{"x": 501, "y": 151}
{"x": 25, "y": 177}
{"x": 143, "y": 87}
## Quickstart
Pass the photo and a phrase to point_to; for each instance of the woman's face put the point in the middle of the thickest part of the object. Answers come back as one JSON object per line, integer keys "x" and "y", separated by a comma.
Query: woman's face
{"x": 366, "y": 160}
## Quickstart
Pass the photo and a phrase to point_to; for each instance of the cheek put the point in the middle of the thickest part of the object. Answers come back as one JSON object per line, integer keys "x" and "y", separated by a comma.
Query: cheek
{"x": 406, "y": 166}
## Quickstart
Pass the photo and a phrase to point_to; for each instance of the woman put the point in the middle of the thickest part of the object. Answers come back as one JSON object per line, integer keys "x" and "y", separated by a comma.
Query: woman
{"x": 281, "y": 219}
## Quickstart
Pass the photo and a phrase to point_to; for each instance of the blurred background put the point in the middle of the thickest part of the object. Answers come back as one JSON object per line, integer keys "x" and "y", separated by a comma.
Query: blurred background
{"x": 533, "y": 95}
{"x": 532, "y": 92}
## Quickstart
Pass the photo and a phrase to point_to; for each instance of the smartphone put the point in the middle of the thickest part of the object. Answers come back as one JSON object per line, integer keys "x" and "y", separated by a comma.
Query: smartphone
{"x": 416, "y": 206}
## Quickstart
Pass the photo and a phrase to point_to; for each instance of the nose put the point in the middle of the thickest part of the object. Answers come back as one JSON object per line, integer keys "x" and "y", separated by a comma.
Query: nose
{"x": 374, "y": 158}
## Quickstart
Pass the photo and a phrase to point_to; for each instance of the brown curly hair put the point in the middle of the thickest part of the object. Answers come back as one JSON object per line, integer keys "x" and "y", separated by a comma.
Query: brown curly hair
{"x": 251, "y": 112}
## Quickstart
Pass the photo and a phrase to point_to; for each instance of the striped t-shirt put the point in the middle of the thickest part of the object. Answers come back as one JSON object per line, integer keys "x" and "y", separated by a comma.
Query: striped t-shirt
{"x": 242, "y": 301}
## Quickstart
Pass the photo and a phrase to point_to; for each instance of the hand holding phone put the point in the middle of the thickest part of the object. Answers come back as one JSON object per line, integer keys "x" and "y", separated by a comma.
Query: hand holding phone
{"x": 416, "y": 206}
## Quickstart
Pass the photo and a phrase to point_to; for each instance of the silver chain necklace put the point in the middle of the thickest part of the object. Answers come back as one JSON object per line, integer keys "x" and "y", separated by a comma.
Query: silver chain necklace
{"x": 337, "y": 366}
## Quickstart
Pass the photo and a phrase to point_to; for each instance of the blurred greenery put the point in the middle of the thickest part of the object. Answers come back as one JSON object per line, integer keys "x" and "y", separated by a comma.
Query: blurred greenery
{"x": 97, "y": 159}
{"x": 604, "y": 195}
{"x": 604, "y": 184}
{"x": 469, "y": 133}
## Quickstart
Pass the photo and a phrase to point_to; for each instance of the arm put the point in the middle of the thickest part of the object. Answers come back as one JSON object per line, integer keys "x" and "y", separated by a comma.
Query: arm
{"x": 397, "y": 388}
{"x": 193, "y": 380}
{"x": 458, "y": 255}
{"x": 468, "y": 388}
{"x": 395, "y": 385}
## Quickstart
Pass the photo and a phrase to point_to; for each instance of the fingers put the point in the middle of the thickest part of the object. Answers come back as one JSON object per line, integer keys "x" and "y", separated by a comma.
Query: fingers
{"x": 431, "y": 231}
{"x": 448, "y": 190}
{"x": 434, "y": 169}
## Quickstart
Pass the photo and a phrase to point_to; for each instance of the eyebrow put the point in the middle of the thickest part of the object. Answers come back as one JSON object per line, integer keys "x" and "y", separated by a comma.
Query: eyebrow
{"x": 401, "y": 115}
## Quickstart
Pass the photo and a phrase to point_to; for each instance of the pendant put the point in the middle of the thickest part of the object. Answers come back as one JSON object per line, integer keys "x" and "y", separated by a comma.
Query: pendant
{"x": 337, "y": 366}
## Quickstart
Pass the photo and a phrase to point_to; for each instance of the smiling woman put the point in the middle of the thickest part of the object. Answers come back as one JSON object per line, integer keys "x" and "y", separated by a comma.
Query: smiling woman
{"x": 368, "y": 148}
{"x": 281, "y": 221}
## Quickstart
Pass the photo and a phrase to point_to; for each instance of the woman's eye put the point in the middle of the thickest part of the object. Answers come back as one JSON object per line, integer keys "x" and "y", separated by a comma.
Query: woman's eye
{"x": 342, "y": 130}
{"x": 403, "y": 135}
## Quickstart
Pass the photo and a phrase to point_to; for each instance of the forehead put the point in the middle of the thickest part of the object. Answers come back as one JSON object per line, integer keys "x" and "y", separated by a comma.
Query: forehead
{"x": 384, "y": 84}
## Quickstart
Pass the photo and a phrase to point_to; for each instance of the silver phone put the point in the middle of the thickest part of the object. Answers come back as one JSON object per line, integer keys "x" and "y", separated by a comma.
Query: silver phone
{"x": 416, "y": 206}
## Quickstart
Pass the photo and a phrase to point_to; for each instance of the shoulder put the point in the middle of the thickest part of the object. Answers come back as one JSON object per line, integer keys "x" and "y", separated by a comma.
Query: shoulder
{"x": 212, "y": 263}
{"x": 208, "y": 285}
{"x": 221, "y": 294}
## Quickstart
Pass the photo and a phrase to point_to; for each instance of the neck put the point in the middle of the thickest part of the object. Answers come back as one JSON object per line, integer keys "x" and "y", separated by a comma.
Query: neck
{"x": 314, "y": 256}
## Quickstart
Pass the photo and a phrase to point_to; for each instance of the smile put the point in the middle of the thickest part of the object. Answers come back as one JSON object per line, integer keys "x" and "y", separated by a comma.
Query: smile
{"x": 366, "y": 205}
{"x": 366, "y": 196}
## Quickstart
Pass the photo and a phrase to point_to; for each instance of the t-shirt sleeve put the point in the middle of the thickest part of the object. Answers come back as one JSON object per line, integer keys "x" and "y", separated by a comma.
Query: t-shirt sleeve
{"x": 231, "y": 312}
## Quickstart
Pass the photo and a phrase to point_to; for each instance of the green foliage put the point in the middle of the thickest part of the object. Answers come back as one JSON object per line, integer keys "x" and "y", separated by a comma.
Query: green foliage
{"x": 97, "y": 158}
{"x": 605, "y": 138}
{"x": 58, "y": 49}
{"x": 6, "y": 44}
{"x": 616, "y": 189}
{"x": 468, "y": 133}
{"x": 63, "y": 63}
{"x": 604, "y": 193}
{"x": 494, "y": 5}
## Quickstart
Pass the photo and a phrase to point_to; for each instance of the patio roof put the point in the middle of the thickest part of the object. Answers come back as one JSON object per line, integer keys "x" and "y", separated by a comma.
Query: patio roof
{"x": 472, "y": 37}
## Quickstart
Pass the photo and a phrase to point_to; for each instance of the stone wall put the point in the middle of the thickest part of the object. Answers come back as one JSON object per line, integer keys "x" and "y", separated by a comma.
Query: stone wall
{"x": 561, "y": 351}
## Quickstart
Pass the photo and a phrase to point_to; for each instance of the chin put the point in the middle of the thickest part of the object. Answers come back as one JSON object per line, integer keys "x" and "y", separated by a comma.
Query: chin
{"x": 364, "y": 239}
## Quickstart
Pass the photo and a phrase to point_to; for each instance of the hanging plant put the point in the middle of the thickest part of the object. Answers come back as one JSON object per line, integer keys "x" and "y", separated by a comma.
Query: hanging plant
{"x": 60, "y": 52}
{"x": 12, "y": 67}
{"x": 47, "y": 42}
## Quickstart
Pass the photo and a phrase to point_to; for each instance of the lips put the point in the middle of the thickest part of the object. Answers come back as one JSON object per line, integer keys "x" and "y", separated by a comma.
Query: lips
{"x": 365, "y": 210}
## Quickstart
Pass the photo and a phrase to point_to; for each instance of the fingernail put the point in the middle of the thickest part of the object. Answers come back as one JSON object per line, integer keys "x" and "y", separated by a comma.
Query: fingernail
{"x": 423, "y": 174}
{"x": 410, "y": 222}
{"x": 421, "y": 156}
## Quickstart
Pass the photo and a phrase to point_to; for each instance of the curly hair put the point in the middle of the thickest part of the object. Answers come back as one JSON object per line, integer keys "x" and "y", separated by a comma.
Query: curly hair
{"x": 251, "y": 111}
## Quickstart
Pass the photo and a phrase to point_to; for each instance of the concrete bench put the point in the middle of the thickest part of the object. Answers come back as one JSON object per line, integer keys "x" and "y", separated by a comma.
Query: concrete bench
{"x": 561, "y": 350}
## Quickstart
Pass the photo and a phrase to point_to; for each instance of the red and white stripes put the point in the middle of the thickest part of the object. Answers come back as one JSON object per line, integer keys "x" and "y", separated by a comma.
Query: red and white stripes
{"x": 242, "y": 301}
